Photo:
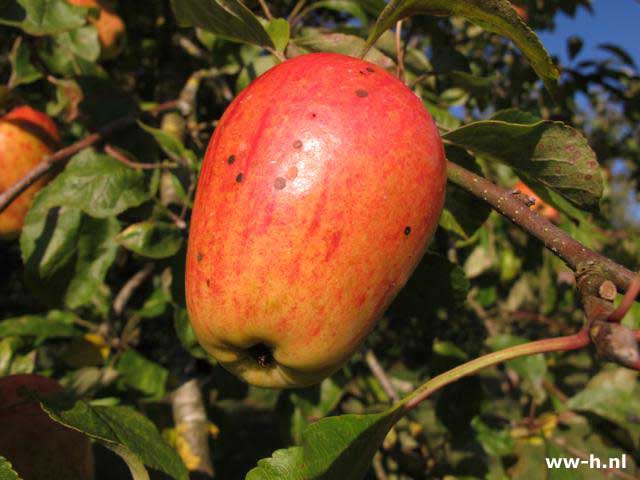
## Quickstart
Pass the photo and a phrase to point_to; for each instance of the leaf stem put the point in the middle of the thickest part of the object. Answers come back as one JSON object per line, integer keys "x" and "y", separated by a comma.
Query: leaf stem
{"x": 559, "y": 344}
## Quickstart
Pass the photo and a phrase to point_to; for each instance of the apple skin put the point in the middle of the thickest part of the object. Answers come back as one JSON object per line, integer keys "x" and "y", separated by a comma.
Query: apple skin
{"x": 26, "y": 137}
{"x": 542, "y": 207}
{"x": 111, "y": 29}
{"x": 37, "y": 447}
{"x": 320, "y": 189}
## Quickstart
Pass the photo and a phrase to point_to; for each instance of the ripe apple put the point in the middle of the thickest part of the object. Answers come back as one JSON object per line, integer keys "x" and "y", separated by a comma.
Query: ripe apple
{"x": 26, "y": 137}
{"x": 110, "y": 27}
{"x": 320, "y": 189}
{"x": 542, "y": 207}
{"x": 37, "y": 447}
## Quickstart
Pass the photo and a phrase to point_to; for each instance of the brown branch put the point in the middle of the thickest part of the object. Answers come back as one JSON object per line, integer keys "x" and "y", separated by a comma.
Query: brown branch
{"x": 48, "y": 164}
{"x": 576, "y": 255}
{"x": 192, "y": 429}
{"x": 265, "y": 9}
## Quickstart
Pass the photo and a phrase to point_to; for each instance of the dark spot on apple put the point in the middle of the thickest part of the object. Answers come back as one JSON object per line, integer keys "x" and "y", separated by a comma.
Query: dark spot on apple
{"x": 280, "y": 183}
{"x": 262, "y": 354}
{"x": 362, "y": 93}
{"x": 407, "y": 230}
{"x": 313, "y": 115}
{"x": 231, "y": 159}
{"x": 370, "y": 69}
{"x": 239, "y": 177}
{"x": 199, "y": 257}
{"x": 208, "y": 282}
{"x": 297, "y": 144}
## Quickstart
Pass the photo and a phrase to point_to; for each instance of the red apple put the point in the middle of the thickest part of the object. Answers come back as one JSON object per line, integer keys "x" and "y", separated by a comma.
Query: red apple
{"x": 320, "y": 189}
{"x": 26, "y": 137}
{"x": 37, "y": 447}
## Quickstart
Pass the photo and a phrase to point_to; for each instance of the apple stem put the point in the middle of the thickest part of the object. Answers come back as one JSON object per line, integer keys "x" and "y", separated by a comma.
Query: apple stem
{"x": 559, "y": 344}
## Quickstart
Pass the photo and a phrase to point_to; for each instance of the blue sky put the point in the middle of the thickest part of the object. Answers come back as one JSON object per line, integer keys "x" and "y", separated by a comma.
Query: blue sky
{"x": 613, "y": 21}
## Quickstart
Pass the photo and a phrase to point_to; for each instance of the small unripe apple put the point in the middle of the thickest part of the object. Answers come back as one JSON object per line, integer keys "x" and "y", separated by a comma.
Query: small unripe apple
{"x": 37, "y": 447}
{"x": 26, "y": 137}
{"x": 111, "y": 29}
{"x": 539, "y": 205}
{"x": 320, "y": 189}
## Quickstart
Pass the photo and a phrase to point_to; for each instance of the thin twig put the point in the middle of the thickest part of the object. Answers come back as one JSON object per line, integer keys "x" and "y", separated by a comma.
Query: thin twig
{"x": 381, "y": 375}
{"x": 294, "y": 12}
{"x": 399, "y": 52}
{"x": 129, "y": 288}
{"x": 576, "y": 255}
{"x": 44, "y": 167}
{"x": 265, "y": 9}
{"x": 122, "y": 158}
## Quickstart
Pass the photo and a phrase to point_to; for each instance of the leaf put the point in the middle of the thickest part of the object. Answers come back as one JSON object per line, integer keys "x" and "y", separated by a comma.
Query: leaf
{"x": 42, "y": 17}
{"x": 55, "y": 324}
{"x": 497, "y": 16}
{"x": 98, "y": 185}
{"x": 334, "y": 447}
{"x": 613, "y": 394}
{"x": 6, "y": 471}
{"x": 227, "y": 18}
{"x": 495, "y": 442}
{"x": 8, "y": 347}
{"x": 169, "y": 144}
{"x": 278, "y": 30}
{"x": 553, "y": 153}
{"x": 619, "y": 52}
{"x": 121, "y": 427}
{"x": 97, "y": 250}
{"x": 22, "y": 70}
{"x": 142, "y": 374}
{"x": 151, "y": 239}
{"x": 315, "y": 41}
{"x": 82, "y": 42}
{"x": 311, "y": 404}
{"x": 187, "y": 336}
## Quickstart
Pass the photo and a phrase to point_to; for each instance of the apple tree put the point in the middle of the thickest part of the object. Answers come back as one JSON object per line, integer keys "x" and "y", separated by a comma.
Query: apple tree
{"x": 515, "y": 339}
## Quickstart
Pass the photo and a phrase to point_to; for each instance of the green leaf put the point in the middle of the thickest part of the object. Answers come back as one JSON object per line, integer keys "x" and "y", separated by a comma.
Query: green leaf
{"x": 8, "y": 347}
{"x": 187, "y": 336}
{"x": 494, "y": 442}
{"x": 313, "y": 403}
{"x": 97, "y": 184}
{"x": 55, "y": 324}
{"x": 334, "y": 447}
{"x": 121, "y": 427}
{"x": 42, "y": 17}
{"x": 169, "y": 143}
{"x": 316, "y": 41}
{"x": 151, "y": 239}
{"x": 23, "y": 71}
{"x": 227, "y": 18}
{"x": 278, "y": 30}
{"x": 6, "y": 471}
{"x": 142, "y": 374}
{"x": 552, "y": 153}
{"x": 82, "y": 42}
{"x": 97, "y": 250}
{"x": 497, "y": 16}
{"x": 613, "y": 394}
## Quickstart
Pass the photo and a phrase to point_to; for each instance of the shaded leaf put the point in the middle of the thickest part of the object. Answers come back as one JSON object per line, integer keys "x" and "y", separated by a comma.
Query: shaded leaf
{"x": 22, "y": 70}
{"x": 553, "y": 153}
{"x": 55, "y": 324}
{"x": 497, "y": 16}
{"x": 142, "y": 374}
{"x": 151, "y": 239}
{"x": 227, "y": 18}
{"x": 42, "y": 17}
{"x": 121, "y": 427}
{"x": 6, "y": 472}
{"x": 278, "y": 30}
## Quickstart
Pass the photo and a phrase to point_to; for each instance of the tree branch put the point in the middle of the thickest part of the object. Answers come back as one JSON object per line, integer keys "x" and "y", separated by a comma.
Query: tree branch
{"x": 576, "y": 255}
{"x": 44, "y": 167}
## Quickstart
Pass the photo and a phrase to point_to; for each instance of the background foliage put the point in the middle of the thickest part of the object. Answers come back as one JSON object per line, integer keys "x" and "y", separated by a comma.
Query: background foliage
{"x": 483, "y": 286}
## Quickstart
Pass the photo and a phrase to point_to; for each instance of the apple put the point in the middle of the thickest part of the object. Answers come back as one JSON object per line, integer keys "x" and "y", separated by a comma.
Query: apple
{"x": 320, "y": 189}
{"x": 521, "y": 10}
{"x": 539, "y": 205}
{"x": 110, "y": 27}
{"x": 37, "y": 447}
{"x": 26, "y": 137}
